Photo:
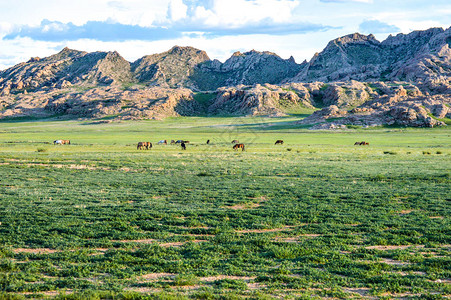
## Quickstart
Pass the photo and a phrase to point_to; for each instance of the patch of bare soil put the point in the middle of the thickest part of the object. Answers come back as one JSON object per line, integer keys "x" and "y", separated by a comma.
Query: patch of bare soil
{"x": 49, "y": 293}
{"x": 243, "y": 206}
{"x": 219, "y": 277}
{"x": 35, "y": 251}
{"x": 170, "y": 244}
{"x": 445, "y": 281}
{"x": 143, "y": 241}
{"x": 178, "y": 244}
{"x": 393, "y": 247}
{"x": 143, "y": 290}
{"x": 394, "y": 262}
{"x": 436, "y": 217}
{"x": 286, "y": 239}
{"x": 285, "y": 228}
{"x": 250, "y": 205}
{"x": 295, "y": 239}
{"x": 360, "y": 291}
{"x": 256, "y": 286}
{"x": 400, "y": 295}
{"x": 153, "y": 276}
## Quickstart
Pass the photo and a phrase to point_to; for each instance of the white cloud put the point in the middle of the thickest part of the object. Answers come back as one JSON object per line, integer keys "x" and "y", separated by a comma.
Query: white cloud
{"x": 286, "y": 27}
{"x": 177, "y": 10}
{"x": 234, "y": 13}
{"x": 344, "y": 1}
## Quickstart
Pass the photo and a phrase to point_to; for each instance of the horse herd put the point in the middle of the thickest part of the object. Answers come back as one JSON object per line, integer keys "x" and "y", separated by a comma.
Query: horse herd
{"x": 148, "y": 145}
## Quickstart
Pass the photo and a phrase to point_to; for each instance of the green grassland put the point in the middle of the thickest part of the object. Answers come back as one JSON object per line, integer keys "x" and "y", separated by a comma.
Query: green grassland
{"x": 316, "y": 217}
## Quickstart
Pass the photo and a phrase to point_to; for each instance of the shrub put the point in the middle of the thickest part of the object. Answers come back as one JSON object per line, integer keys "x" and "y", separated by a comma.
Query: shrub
{"x": 390, "y": 152}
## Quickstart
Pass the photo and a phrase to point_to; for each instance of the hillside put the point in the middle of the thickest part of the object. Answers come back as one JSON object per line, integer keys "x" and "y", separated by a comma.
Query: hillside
{"x": 355, "y": 80}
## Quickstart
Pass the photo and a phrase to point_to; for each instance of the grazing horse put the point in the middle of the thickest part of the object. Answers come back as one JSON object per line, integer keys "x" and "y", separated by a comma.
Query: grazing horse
{"x": 238, "y": 146}
{"x": 279, "y": 142}
{"x": 66, "y": 142}
{"x": 172, "y": 142}
{"x": 208, "y": 142}
{"x": 164, "y": 142}
{"x": 58, "y": 142}
{"x": 144, "y": 145}
{"x": 179, "y": 141}
{"x": 235, "y": 142}
{"x": 183, "y": 145}
{"x": 362, "y": 143}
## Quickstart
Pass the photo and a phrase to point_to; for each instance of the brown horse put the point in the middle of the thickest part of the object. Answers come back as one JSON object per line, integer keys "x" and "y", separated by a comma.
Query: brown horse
{"x": 183, "y": 146}
{"x": 238, "y": 146}
{"x": 144, "y": 145}
{"x": 362, "y": 143}
{"x": 279, "y": 142}
{"x": 172, "y": 142}
{"x": 235, "y": 142}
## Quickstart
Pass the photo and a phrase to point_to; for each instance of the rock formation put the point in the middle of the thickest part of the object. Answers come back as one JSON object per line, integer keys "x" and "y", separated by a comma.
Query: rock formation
{"x": 356, "y": 80}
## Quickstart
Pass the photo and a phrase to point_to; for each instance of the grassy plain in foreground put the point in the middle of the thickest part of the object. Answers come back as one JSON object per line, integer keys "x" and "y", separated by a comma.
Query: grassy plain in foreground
{"x": 314, "y": 218}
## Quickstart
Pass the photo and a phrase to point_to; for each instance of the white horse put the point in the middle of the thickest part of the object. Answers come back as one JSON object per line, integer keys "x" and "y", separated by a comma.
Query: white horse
{"x": 58, "y": 142}
{"x": 165, "y": 142}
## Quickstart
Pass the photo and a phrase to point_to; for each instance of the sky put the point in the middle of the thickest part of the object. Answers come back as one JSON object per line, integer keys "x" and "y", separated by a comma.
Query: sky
{"x": 135, "y": 28}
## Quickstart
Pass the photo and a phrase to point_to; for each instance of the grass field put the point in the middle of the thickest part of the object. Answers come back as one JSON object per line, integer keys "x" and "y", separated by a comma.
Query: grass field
{"x": 316, "y": 217}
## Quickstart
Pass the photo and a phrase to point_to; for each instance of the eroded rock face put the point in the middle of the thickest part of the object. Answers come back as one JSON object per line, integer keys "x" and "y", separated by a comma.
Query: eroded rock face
{"x": 149, "y": 103}
{"x": 404, "y": 80}
{"x": 417, "y": 56}
{"x": 395, "y": 104}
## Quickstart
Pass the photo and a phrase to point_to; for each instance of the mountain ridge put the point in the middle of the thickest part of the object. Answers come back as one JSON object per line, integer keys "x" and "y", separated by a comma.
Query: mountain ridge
{"x": 348, "y": 73}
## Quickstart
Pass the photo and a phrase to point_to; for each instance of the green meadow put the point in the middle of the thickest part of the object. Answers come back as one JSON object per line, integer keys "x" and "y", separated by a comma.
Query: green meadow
{"x": 314, "y": 218}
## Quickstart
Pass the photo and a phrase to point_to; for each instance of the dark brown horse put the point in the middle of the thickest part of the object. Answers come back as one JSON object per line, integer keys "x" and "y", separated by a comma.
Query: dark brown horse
{"x": 279, "y": 142}
{"x": 183, "y": 146}
{"x": 238, "y": 146}
{"x": 144, "y": 146}
{"x": 362, "y": 143}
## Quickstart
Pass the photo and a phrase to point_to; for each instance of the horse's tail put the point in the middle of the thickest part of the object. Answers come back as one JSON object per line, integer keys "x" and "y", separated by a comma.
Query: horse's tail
{"x": 243, "y": 147}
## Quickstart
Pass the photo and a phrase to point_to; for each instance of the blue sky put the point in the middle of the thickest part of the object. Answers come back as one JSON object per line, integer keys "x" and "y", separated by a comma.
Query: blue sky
{"x": 135, "y": 28}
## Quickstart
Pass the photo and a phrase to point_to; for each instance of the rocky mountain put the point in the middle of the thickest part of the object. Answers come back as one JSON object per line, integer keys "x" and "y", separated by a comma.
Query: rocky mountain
{"x": 64, "y": 69}
{"x": 247, "y": 68}
{"x": 417, "y": 56}
{"x": 355, "y": 80}
{"x": 173, "y": 68}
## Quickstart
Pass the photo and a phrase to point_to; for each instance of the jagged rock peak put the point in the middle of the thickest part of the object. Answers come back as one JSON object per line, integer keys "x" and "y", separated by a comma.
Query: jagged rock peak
{"x": 355, "y": 37}
{"x": 402, "y": 38}
{"x": 66, "y": 53}
{"x": 180, "y": 50}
